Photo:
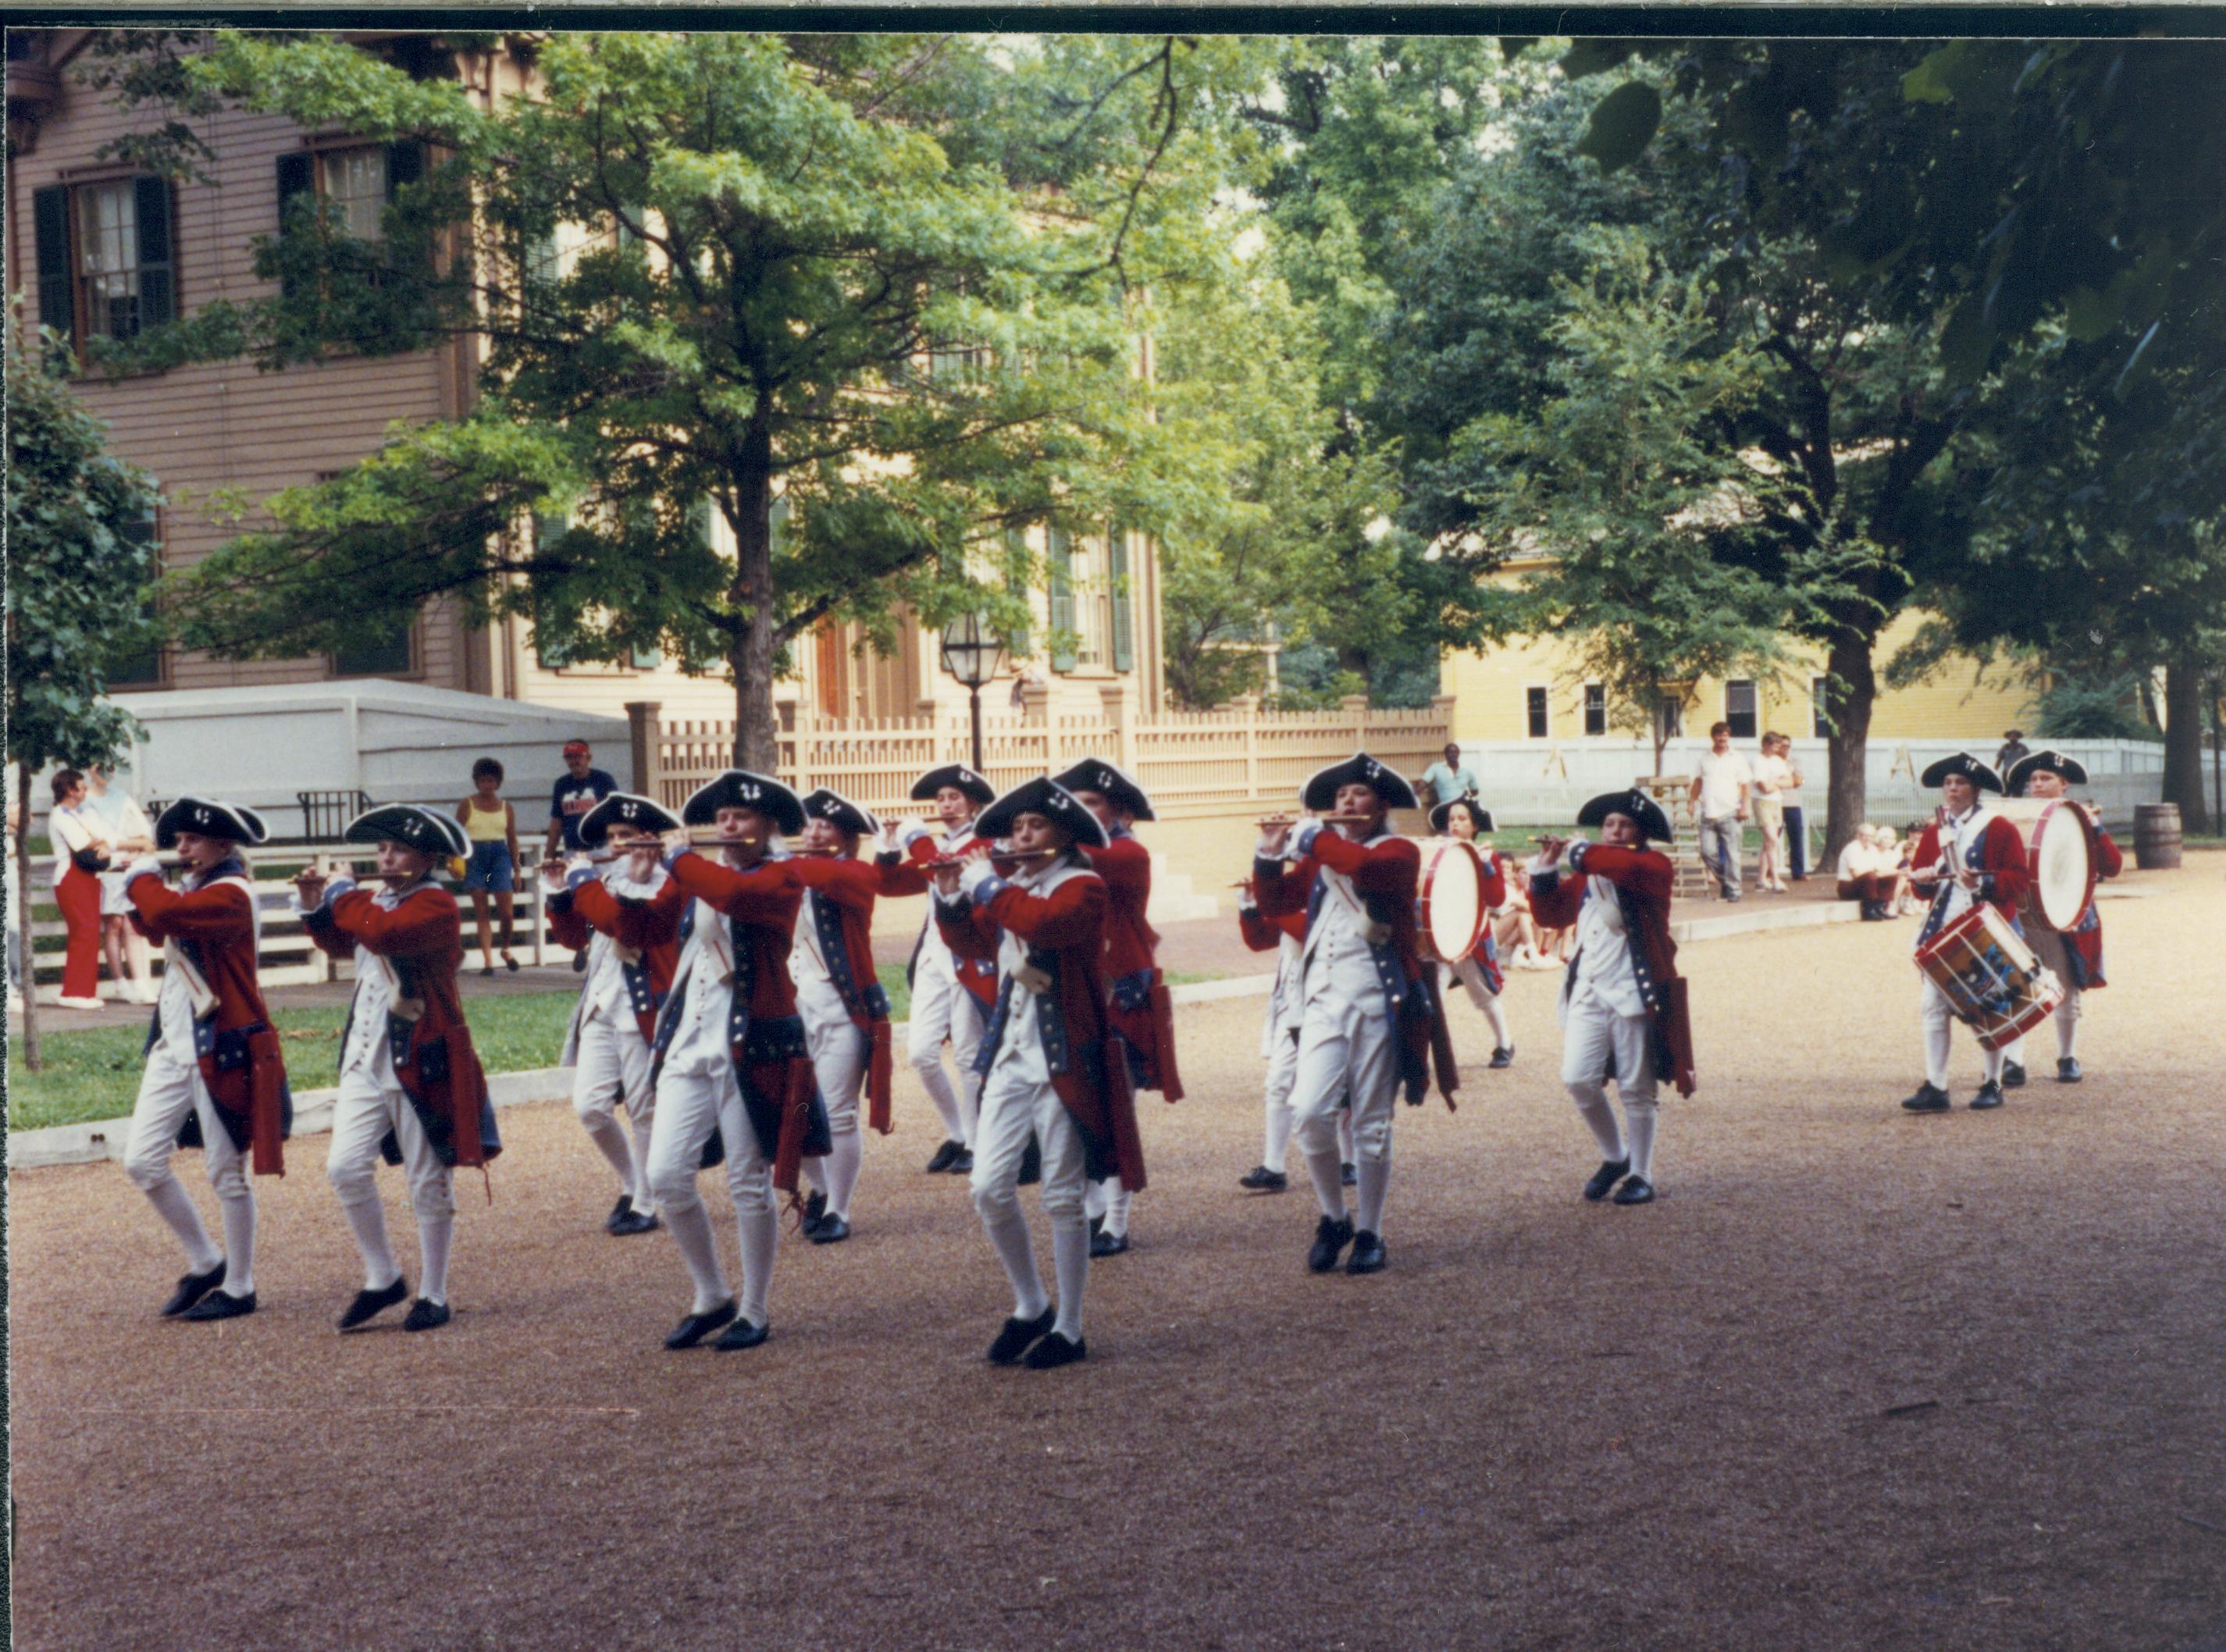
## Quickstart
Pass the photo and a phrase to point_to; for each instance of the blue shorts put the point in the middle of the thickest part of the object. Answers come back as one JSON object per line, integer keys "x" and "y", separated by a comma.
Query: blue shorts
{"x": 489, "y": 867}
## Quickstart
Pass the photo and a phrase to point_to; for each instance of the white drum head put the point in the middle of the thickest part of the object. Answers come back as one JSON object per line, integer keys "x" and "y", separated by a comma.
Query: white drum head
{"x": 2061, "y": 870}
{"x": 1452, "y": 899}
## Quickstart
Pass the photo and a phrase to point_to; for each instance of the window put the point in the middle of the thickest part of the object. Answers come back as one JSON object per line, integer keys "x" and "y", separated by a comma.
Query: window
{"x": 1537, "y": 712}
{"x": 1061, "y": 560}
{"x": 352, "y": 183}
{"x": 1739, "y": 709}
{"x": 1595, "y": 709}
{"x": 103, "y": 257}
{"x": 1669, "y": 720}
{"x": 393, "y": 655}
{"x": 1819, "y": 691}
{"x": 143, "y": 668}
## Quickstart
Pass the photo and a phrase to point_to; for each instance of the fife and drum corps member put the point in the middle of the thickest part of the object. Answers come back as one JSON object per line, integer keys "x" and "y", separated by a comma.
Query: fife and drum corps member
{"x": 1480, "y": 973}
{"x": 2076, "y": 956}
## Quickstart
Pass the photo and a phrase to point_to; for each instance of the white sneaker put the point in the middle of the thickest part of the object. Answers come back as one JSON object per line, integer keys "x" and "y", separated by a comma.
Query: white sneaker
{"x": 81, "y": 1003}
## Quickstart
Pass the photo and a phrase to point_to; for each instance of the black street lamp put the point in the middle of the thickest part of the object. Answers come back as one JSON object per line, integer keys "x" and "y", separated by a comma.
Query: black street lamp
{"x": 972, "y": 653}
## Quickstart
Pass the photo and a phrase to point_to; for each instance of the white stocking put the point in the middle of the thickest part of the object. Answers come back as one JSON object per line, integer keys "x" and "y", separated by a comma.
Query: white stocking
{"x": 699, "y": 1250}
{"x": 1326, "y": 1172}
{"x": 239, "y": 1216}
{"x": 435, "y": 1229}
{"x": 760, "y": 1231}
{"x": 1372, "y": 1180}
{"x": 1639, "y": 1118}
{"x": 1070, "y": 1255}
{"x": 840, "y": 1169}
{"x": 367, "y": 1218}
{"x": 1008, "y": 1232}
{"x": 175, "y": 1206}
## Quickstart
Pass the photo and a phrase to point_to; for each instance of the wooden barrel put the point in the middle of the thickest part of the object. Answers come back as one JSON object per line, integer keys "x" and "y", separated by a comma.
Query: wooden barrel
{"x": 2156, "y": 835}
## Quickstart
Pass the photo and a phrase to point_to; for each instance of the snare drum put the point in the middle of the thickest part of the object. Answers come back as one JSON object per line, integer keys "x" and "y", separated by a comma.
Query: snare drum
{"x": 1448, "y": 899}
{"x": 2061, "y": 851}
{"x": 1990, "y": 977}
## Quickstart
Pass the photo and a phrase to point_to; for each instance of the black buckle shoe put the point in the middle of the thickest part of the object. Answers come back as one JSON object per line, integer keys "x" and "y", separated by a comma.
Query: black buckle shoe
{"x": 1610, "y": 1172}
{"x": 1261, "y": 1179}
{"x": 963, "y": 1165}
{"x": 1332, "y": 1235}
{"x": 192, "y": 1288}
{"x": 1503, "y": 1057}
{"x": 368, "y": 1303}
{"x": 1930, "y": 1098}
{"x": 696, "y": 1326}
{"x": 220, "y": 1304}
{"x": 426, "y": 1316}
{"x": 1636, "y": 1190}
{"x": 815, "y": 1212}
{"x": 741, "y": 1334}
{"x": 1053, "y": 1352}
{"x": 1989, "y": 1095}
{"x": 634, "y": 1222}
{"x": 1019, "y": 1335}
{"x": 2067, "y": 1069}
{"x": 620, "y": 1212}
{"x": 945, "y": 1156}
{"x": 2013, "y": 1074}
{"x": 1102, "y": 1244}
{"x": 1368, "y": 1255}
{"x": 831, "y": 1230}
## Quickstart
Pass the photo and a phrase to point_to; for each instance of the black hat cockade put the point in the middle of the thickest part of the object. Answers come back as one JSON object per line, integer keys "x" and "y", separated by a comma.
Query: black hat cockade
{"x": 1319, "y": 792}
{"x": 740, "y": 788}
{"x": 413, "y": 826}
{"x": 2069, "y": 769}
{"x": 957, "y": 775}
{"x": 1441, "y": 817}
{"x": 827, "y": 804}
{"x": 1653, "y": 823}
{"x": 1042, "y": 796}
{"x": 234, "y": 822}
{"x": 1095, "y": 774}
{"x": 625, "y": 809}
{"x": 1967, "y": 766}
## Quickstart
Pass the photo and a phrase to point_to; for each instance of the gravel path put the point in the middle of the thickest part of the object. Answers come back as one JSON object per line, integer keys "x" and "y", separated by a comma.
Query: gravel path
{"x": 1859, "y": 1379}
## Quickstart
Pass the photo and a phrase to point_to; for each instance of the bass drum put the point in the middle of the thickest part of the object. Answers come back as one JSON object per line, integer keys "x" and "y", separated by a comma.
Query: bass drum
{"x": 1449, "y": 899}
{"x": 2061, "y": 851}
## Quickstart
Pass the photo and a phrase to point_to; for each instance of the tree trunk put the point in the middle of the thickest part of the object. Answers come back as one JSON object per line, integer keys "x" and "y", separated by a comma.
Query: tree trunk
{"x": 2183, "y": 742}
{"x": 27, "y": 988}
{"x": 751, "y": 654}
{"x": 1855, "y": 690}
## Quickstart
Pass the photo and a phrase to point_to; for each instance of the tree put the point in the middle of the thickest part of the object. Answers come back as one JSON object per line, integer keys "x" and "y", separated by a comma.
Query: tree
{"x": 863, "y": 298}
{"x": 78, "y": 573}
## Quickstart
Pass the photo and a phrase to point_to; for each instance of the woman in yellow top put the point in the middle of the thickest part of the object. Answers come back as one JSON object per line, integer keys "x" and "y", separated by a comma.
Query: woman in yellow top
{"x": 492, "y": 825}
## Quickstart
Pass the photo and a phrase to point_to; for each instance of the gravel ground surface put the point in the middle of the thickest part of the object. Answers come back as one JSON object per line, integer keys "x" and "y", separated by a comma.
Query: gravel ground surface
{"x": 1859, "y": 1379}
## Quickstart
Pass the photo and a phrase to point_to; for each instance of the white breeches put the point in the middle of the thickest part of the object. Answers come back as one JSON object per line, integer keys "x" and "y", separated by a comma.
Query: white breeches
{"x": 363, "y": 1113}
{"x": 1015, "y": 1105}
{"x": 1345, "y": 1045}
{"x": 1938, "y": 1018}
{"x": 839, "y": 1051}
{"x": 169, "y": 1090}
{"x": 1595, "y": 1038}
{"x": 611, "y": 1073}
{"x": 689, "y": 1106}
{"x": 942, "y": 1009}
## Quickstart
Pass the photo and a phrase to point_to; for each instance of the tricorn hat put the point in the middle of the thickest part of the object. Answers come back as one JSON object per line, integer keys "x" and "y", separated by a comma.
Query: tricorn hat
{"x": 1652, "y": 822}
{"x": 827, "y": 804}
{"x": 413, "y": 826}
{"x": 625, "y": 809}
{"x": 741, "y": 789}
{"x": 2068, "y": 769}
{"x": 1967, "y": 766}
{"x": 1042, "y": 796}
{"x": 953, "y": 774}
{"x": 1095, "y": 774}
{"x": 232, "y": 822}
{"x": 1319, "y": 792}
{"x": 1441, "y": 817}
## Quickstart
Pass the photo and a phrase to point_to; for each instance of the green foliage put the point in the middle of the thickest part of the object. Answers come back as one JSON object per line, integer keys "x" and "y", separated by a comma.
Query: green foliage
{"x": 2073, "y": 708}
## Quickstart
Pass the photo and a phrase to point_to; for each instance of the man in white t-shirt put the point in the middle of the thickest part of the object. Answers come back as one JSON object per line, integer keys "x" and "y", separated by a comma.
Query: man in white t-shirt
{"x": 1722, "y": 790}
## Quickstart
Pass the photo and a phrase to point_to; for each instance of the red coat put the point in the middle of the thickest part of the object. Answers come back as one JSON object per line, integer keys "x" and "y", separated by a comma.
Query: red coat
{"x": 236, "y": 1048}
{"x": 1067, "y": 927}
{"x": 575, "y": 913}
{"x": 1998, "y": 857}
{"x": 1643, "y": 880}
{"x": 1263, "y": 933}
{"x": 422, "y": 936}
{"x": 1139, "y": 1006}
{"x": 845, "y": 889}
{"x": 907, "y": 874}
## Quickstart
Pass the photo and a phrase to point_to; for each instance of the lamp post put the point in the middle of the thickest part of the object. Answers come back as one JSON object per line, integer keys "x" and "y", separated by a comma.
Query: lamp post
{"x": 972, "y": 653}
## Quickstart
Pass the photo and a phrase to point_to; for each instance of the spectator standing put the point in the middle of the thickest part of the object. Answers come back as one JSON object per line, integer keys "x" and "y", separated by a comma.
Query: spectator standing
{"x": 1449, "y": 778}
{"x": 2013, "y": 748}
{"x": 1722, "y": 793}
{"x": 124, "y": 825}
{"x": 492, "y": 825}
{"x": 1771, "y": 773}
{"x": 1797, "y": 818}
{"x": 81, "y": 854}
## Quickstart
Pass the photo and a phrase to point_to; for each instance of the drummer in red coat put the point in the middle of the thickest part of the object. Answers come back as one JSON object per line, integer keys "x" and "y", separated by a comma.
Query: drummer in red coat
{"x": 410, "y": 1088}
{"x": 614, "y": 1024}
{"x": 214, "y": 1078}
{"x": 2075, "y": 955}
{"x": 1968, "y": 854}
{"x": 838, "y": 993}
{"x": 1622, "y": 1004}
{"x": 1140, "y": 1008}
{"x": 1370, "y": 1020}
{"x": 1053, "y": 1069}
{"x": 1480, "y": 973}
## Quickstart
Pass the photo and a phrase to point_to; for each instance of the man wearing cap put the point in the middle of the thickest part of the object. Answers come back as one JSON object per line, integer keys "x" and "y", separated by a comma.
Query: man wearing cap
{"x": 1139, "y": 1009}
{"x": 410, "y": 1088}
{"x": 1966, "y": 855}
{"x": 733, "y": 1071}
{"x": 1371, "y": 1019}
{"x": 214, "y": 1078}
{"x": 2075, "y": 955}
{"x": 950, "y": 997}
{"x": 1622, "y": 1005}
{"x": 846, "y": 1013}
{"x": 1051, "y": 1072}
{"x": 607, "y": 1043}
{"x": 1479, "y": 973}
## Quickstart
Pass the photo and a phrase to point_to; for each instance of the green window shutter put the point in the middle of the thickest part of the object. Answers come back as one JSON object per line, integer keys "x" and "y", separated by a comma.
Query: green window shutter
{"x": 297, "y": 176}
{"x": 1124, "y": 613}
{"x": 1062, "y": 601}
{"x": 50, "y": 210}
{"x": 158, "y": 288}
{"x": 1016, "y": 642}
